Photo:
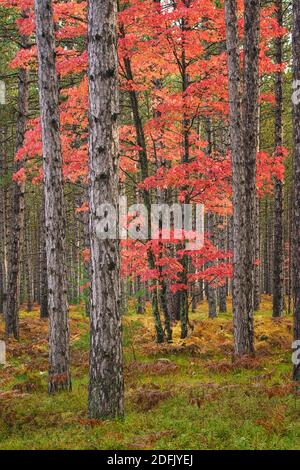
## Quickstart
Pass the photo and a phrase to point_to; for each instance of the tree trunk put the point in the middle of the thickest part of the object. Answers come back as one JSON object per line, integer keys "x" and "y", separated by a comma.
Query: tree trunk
{"x": 174, "y": 306}
{"x": 43, "y": 265}
{"x": 296, "y": 121}
{"x": 243, "y": 132}
{"x": 257, "y": 267}
{"x": 211, "y": 291}
{"x": 222, "y": 235}
{"x": 28, "y": 265}
{"x": 106, "y": 389}
{"x": 3, "y": 226}
{"x": 140, "y": 301}
{"x": 59, "y": 373}
{"x": 278, "y": 278}
{"x": 290, "y": 243}
{"x": 13, "y": 287}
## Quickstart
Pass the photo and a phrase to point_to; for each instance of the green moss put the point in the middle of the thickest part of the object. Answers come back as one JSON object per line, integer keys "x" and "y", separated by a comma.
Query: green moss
{"x": 205, "y": 409}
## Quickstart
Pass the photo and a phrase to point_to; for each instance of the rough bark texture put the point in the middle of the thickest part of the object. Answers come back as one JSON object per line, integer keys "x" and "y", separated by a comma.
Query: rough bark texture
{"x": 174, "y": 306}
{"x": 43, "y": 266}
{"x": 243, "y": 131}
{"x": 222, "y": 239}
{"x": 266, "y": 246}
{"x": 257, "y": 267}
{"x": 59, "y": 374}
{"x": 3, "y": 227}
{"x": 211, "y": 291}
{"x": 28, "y": 265}
{"x": 106, "y": 389}
{"x": 296, "y": 120}
{"x": 13, "y": 287}
{"x": 278, "y": 278}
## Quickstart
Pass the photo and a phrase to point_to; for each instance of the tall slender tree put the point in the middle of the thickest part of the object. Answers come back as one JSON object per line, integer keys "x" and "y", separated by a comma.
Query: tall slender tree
{"x": 243, "y": 130}
{"x": 106, "y": 387}
{"x": 296, "y": 122}
{"x": 257, "y": 236}
{"x": 3, "y": 226}
{"x": 13, "y": 286}
{"x": 43, "y": 264}
{"x": 59, "y": 372}
{"x": 278, "y": 278}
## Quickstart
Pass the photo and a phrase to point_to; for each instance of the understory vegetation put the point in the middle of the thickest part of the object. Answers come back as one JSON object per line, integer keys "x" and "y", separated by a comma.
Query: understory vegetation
{"x": 189, "y": 394}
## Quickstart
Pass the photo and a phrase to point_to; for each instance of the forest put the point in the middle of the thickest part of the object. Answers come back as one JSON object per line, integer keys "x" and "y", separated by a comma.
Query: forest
{"x": 150, "y": 225}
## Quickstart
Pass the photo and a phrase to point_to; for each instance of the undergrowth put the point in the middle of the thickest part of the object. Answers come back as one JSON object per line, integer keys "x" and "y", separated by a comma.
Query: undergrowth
{"x": 190, "y": 394}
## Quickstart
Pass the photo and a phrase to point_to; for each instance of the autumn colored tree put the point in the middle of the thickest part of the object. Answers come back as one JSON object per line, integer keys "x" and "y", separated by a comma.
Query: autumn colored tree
{"x": 174, "y": 80}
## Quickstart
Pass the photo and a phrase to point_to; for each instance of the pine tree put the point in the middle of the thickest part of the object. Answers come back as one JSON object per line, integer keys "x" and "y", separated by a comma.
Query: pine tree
{"x": 106, "y": 387}
{"x": 243, "y": 100}
{"x": 296, "y": 121}
{"x": 59, "y": 372}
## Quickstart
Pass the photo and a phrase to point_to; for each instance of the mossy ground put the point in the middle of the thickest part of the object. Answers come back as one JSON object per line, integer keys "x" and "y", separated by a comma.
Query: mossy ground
{"x": 185, "y": 395}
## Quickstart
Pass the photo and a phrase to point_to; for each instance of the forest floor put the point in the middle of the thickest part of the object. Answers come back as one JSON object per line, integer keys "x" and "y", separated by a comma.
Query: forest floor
{"x": 185, "y": 395}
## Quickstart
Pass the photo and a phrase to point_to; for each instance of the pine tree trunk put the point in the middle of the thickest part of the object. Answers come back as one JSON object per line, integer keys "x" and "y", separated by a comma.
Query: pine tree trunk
{"x": 3, "y": 227}
{"x": 296, "y": 121}
{"x": 59, "y": 373}
{"x": 211, "y": 291}
{"x": 13, "y": 286}
{"x": 43, "y": 264}
{"x": 28, "y": 266}
{"x": 222, "y": 290}
{"x": 278, "y": 278}
{"x": 243, "y": 132}
{"x": 290, "y": 243}
{"x": 140, "y": 304}
{"x": 257, "y": 268}
{"x": 173, "y": 300}
{"x": 106, "y": 389}
{"x": 36, "y": 242}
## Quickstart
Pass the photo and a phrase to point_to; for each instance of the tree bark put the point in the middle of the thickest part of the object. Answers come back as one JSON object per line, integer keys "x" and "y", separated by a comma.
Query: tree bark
{"x": 243, "y": 132}
{"x": 222, "y": 235}
{"x": 257, "y": 267}
{"x": 106, "y": 389}
{"x": 13, "y": 287}
{"x": 3, "y": 226}
{"x": 28, "y": 265}
{"x": 59, "y": 372}
{"x": 211, "y": 291}
{"x": 278, "y": 278}
{"x": 43, "y": 265}
{"x": 296, "y": 172}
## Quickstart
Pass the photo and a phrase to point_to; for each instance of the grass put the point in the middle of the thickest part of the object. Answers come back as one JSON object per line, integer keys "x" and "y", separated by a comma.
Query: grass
{"x": 185, "y": 395}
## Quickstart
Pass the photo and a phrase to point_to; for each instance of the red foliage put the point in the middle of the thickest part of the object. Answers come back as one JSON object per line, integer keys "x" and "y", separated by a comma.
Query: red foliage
{"x": 155, "y": 41}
